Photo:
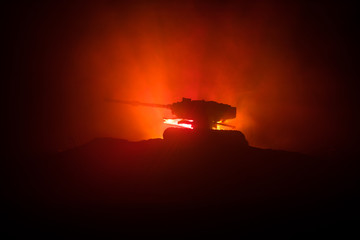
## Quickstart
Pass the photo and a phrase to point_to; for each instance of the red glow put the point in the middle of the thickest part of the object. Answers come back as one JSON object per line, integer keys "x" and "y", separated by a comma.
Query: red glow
{"x": 242, "y": 55}
{"x": 160, "y": 63}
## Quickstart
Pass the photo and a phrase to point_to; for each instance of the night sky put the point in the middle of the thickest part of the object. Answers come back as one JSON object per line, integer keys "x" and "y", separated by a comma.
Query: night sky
{"x": 289, "y": 68}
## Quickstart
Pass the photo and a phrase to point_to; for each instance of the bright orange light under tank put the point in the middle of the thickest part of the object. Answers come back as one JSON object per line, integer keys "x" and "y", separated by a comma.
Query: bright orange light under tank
{"x": 176, "y": 122}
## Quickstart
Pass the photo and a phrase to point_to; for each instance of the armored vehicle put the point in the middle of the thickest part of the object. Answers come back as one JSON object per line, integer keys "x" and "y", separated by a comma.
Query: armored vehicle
{"x": 195, "y": 114}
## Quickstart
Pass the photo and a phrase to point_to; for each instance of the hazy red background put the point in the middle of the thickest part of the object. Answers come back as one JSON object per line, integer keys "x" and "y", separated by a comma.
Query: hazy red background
{"x": 288, "y": 68}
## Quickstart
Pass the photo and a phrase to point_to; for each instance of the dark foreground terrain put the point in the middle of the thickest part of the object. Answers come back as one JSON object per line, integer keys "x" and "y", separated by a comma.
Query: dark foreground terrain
{"x": 207, "y": 183}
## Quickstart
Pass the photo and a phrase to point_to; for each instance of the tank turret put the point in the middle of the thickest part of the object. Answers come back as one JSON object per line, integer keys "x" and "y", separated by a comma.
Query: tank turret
{"x": 199, "y": 114}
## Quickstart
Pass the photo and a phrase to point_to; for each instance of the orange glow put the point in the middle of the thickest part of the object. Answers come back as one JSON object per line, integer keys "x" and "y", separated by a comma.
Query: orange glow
{"x": 218, "y": 127}
{"x": 159, "y": 53}
{"x": 175, "y": 122}
{"x": 146, "y": 61}
{"x": 178, "y": 122}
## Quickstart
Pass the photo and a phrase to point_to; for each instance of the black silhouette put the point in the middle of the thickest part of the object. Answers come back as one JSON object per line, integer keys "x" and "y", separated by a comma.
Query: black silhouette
{"x": 200, "y": 114}
{"x": 205, "y": 182}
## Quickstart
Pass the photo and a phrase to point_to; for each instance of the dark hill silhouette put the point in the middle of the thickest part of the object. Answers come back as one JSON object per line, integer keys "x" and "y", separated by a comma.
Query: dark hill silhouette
{"x": 210, "y": 182}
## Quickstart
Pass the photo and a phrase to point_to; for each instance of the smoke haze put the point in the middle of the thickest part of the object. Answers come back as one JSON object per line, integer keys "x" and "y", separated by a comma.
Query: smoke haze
{"x": 288, "y": 68}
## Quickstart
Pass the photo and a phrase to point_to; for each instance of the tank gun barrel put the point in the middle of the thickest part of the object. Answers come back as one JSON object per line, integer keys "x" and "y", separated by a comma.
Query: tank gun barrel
{"x": 136, "y": 103}
{"x": 203, "y": 114}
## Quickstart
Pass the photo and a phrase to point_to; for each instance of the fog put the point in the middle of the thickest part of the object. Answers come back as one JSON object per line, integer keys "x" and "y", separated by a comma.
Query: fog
{"x": 288, "y": 68}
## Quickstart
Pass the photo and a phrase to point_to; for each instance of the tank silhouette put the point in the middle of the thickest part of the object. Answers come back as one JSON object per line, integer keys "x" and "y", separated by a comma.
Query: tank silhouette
{"x": 200, "y": 114}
